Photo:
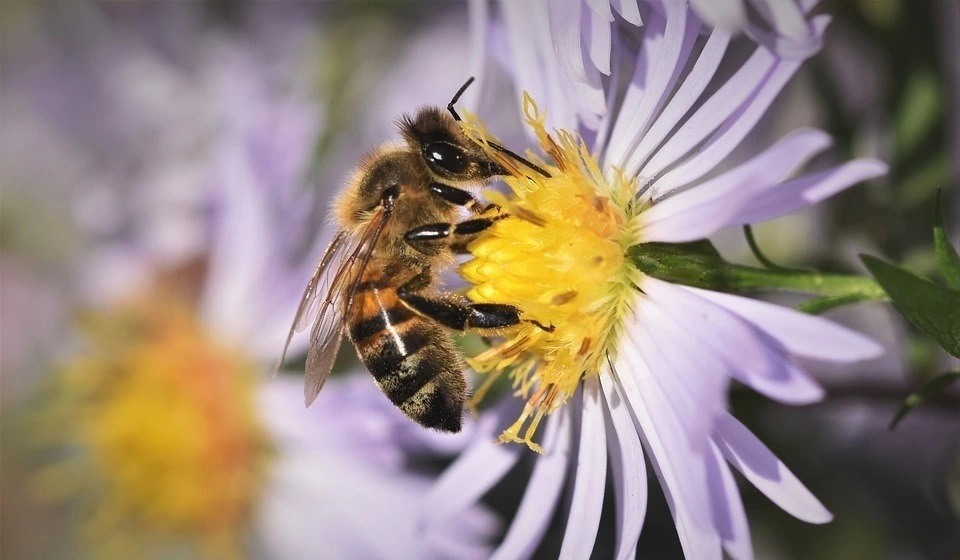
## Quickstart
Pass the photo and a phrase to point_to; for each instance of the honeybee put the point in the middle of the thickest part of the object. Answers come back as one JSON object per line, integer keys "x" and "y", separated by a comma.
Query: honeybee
{"x": 377, "y": 281}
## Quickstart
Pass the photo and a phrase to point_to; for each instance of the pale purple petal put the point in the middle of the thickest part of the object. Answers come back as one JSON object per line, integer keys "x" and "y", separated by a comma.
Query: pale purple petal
{"x": 627, "y": 467}
{"x": 700, "y": 211}
{"x": 666, "y": 45}
{"x": 712, "y": 113}
{"x": 600, "y": 39}
{"x": 590, "y": 476}
{"x": 801, "y": 334}
{"x": 479, "y": 20}
{"x": 728, "y": 15}
{"x": 791, "y": 35}
{"x": 726, "y": 138}
{"x": 475, "y": 471}
{"x": 565, "y": 31}
{"x": 669, "y": 441}
{"x": 764, "y": 470}
{"x": 535, "y": 67}
{"x": 543, "y": 492}
{"x": 686, "y": 95}
{"x": 808, "y": 190}
{"x": 629, "y": 10}
{"x": 733, "y": 345}
{"x": 602, "y": 9}
{"x": 728, "y": 515}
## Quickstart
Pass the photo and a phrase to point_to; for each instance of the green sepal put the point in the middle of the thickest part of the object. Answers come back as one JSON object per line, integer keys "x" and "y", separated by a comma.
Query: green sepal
{"x": 695, "y": 264}
{"x": 947, "y": 256}
{"x": 933, "y": 309}
{"x": 930, "y": 389}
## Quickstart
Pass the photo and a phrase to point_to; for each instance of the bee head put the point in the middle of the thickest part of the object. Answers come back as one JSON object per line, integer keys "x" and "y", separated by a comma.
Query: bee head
{"x": 448, "y": 154}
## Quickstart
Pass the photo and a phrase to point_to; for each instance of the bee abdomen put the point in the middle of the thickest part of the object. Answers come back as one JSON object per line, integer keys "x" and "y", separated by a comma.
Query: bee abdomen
{"x": 416, "y": 366}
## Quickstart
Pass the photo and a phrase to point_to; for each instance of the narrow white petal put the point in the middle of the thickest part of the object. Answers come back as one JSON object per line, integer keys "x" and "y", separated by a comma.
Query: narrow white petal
{"x": 663, "y": 53}
{"x": 728, "y": 515}
{"x": 600, "y": 41}
{"x": 712, "y": 113}
{"x": 808, "y": 190}
{"x": 590, "y": 477}
{"x": 629, "y": 10}
{"x": 726, "y": 138}
{"x": 732, "y": 345}
{"x": 540, "y": 500}
{"x": 602, "y": 9}
{"x": 698, "y": 212}
{"x": 627, "y": 467}
{"x": 565, "y": 31}
{"x": 801, "y": 334}
{"x": 680, "y": 102}
{"x": 679, "y": 465}
{"x": 728, "y": 15}
{"x": 764, "y": 470}
{"x": 474, "y": 472}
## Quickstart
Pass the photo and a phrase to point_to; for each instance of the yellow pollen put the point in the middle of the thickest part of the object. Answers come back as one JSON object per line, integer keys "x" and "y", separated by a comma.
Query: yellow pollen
{"x": 560, "y": 257}
{"x": 164, "y": 446}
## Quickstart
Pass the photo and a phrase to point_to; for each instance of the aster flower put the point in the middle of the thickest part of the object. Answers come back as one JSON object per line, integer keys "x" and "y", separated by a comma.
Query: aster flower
{"x": 603, "y": 249}
{"x": 166, "y": 433}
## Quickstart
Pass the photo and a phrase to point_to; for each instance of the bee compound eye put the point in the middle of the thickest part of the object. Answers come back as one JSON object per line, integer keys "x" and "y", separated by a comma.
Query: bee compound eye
{"x": 445, "y": 157}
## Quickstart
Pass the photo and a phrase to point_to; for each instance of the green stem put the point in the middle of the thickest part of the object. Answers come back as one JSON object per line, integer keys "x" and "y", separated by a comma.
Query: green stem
{"x": 698, "y": 264}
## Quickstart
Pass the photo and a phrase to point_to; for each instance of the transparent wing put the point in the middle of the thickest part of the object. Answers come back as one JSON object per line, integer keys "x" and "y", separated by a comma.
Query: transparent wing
{"x": 331, "y": 322}
{"x": 332, "y": 260}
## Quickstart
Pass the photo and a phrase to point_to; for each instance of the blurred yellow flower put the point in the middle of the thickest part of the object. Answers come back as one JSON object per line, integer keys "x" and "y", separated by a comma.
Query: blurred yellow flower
{"x": 160, "y": 419}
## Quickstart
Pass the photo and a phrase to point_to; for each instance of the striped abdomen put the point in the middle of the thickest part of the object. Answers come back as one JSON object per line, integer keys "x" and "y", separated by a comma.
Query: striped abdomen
{"x": 412, "y": 358}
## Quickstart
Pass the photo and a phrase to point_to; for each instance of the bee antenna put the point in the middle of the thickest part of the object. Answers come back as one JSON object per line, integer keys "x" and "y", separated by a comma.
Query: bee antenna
{"x": 456, "y": 98}
{"x": 493, "y": 145}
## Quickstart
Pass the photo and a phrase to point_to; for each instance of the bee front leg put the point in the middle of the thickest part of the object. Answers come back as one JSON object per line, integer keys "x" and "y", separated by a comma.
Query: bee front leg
{"x": 460, "y": 197}
{"x": 427, "y": 238}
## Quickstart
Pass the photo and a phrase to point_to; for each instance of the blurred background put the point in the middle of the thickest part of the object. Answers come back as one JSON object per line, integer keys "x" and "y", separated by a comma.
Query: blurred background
{"x": 166, "y": 170}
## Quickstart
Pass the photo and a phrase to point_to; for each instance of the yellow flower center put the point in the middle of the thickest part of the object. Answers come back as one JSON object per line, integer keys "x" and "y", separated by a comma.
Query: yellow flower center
{"x": 166, "y": 445}
{"x": 560, "y": 257}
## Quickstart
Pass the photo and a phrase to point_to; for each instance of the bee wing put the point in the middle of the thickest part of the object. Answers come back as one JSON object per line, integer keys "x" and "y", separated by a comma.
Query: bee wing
{"x": 310, "y": 303}
{"x": 331, "y": 322}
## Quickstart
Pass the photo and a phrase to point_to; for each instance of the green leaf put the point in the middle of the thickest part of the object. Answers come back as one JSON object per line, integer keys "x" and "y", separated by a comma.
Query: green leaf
{"x": 918, "y": 112}
{"x": 930, "y": 389}
{"x": 933, "y": 309}
{"x": 946, "y": 254}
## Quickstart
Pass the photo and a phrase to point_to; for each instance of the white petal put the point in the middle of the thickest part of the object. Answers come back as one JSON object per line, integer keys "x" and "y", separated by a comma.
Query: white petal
{"x": 666, "y": 45}
{"x": 680, "y": 102}
{"x": 801, "y": 334}
{"x": 474, "y": 472}
{"x": 590, "y": 477}
{"x": 728, "y": 15}
{"x": 602, "y": 9}
{"x": 629, "y": 10}
{"x": 543, "y": 491}
{"x": 728, "y": 515}
{"x": 764, "y": 470}
{"x": 679, "y": 465}
{"x": 808, "y": 190}
{"x": 627, "y": 467}
{"x": 733, "y": 345}
{"x": 700, "y": 211}
{"x": 729, "y": 135}
{"x": 565, "y": 31}
{"x": 711, "y": 114}
{"x": 600, "y": 40}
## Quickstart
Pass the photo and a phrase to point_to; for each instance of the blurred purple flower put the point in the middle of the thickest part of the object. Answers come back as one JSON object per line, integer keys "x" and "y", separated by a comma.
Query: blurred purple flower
{"x": 165, "y": 420}
{"x": 674, "y": 111}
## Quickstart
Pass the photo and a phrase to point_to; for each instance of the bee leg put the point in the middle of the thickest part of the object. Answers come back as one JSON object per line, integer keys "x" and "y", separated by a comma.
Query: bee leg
{"x": 460, "y": 197}
{"x": 426, "y": 238}
{"x": 460, "y": 316}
